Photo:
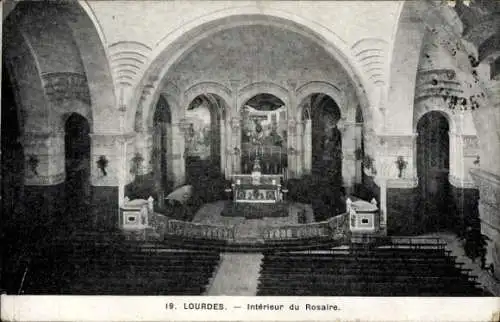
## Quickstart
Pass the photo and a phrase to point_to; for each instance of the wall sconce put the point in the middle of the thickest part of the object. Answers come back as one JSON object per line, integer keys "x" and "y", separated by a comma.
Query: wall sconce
{"x": 136, "y": 163}
{"x": 102, "y": 163}
{"x": 401, "y": 165}
{"x": 477, "y": 162}
{"x": 33, "y": 164}
{"x": 236, "y": 151}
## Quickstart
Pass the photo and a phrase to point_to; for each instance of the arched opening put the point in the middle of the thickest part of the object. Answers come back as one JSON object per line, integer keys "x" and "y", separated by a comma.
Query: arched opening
{"x": 264, "y": 134}
{"x": 77, "y": 165}
{"x": 326, "y": 139}
{"x": 433, "y": 158}
{"x": 322, "y": 157}
{"x": 203, "y": 147}
{"x": 203, "y": 138}
{"x": 162, "y": 147}
{"x": 12, "y": 175}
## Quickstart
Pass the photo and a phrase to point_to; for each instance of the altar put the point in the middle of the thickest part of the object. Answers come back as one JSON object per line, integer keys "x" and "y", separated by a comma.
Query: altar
{"x": 257, "y": 195}
{"x": 257, "y": 187}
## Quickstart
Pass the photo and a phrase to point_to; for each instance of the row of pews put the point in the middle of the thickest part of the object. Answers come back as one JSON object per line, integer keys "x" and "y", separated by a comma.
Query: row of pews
{"x": 93, "y": 265}
{"x": 366, "y": 272}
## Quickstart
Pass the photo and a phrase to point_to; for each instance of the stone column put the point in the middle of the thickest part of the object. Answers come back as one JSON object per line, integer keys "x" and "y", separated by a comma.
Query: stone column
{"x": 358, "y": 162}
{"x": 45, "y": 158}
{"x": 228, "y": 149}
{"x": 456, "y": 157}
{"x": 400, "y": 197}
{"x": 223, "y": 147}
{"x": 236, "y": 145}
{"x": 307, "y": 146}
{"x": 348, "y": 155}
{"x": 44, "y": 176}
{"x": 292, "y": 148}
{"x": 111, "y": 160}
{"x": 144, "y": 146}
{"x": 300, "y": 149}
{"x": 177, "y": 155}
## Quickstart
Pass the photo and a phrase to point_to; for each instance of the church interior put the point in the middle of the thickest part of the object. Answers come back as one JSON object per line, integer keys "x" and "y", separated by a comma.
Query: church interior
{"x": 345, "y": 148}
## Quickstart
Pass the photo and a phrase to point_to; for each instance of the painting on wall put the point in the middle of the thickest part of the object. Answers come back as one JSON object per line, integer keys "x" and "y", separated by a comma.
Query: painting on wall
{"x": 199, "y": 132}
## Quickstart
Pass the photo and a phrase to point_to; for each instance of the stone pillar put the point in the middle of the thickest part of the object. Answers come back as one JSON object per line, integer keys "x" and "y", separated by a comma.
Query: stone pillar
{"x": 300, "y": 149}
{"x": 489, "y": 213}
{"x": 358, "y": 161}
{"x": 348, "y": 155}
{"x": 228, "y": 150}
{"x": 236, "y": 145}
{"x": 223, "y": 147}
{"x": 307, "y": 146}
{"x": 292, "y": 148}
{"x": 177, "y": 155}
{"x": 45, "y": 175}
{"x": 398, "y": 193}
{"x": 383, "y": 207}
{"x": 144, "y": 146}
{"x": 111, "y": 160}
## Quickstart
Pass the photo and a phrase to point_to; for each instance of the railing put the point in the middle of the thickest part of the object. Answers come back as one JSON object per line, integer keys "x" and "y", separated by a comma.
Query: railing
{"x": 402, "y": 242}
{"x": 195, "y": 230}
{"x": 334, "y": 227}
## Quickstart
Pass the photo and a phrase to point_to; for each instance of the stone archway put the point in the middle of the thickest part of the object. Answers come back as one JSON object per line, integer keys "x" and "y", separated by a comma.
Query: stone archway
{"x": 264, "y": 134}
{"x": 433, "y": 164}
{"x": 168, "y": 53}
{"x": 77, "y": 169}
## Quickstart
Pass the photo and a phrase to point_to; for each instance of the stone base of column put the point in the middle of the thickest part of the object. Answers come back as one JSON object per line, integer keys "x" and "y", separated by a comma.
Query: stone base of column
{"x": 104, "y": 207}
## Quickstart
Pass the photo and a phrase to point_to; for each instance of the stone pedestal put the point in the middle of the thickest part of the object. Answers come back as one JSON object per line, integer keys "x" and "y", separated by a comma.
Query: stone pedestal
{"x": 489, "y": 213}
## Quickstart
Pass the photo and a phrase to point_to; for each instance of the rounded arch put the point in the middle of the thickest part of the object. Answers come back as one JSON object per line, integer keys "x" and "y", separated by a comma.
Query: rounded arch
{"x": 86, "y": 35}
{"x": 173, "y": 106}
{"x": 433, "y": 104}
{"x": 92, "y": 46}
{"x": 250, "y": 90}
{"x": 323, "y": 87}
{"x": 204, "y": 88}
{"x": 177, "y": 43}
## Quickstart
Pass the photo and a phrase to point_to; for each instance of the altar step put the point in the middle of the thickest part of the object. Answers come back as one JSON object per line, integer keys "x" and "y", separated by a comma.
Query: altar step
{"x": 237, "y": 274}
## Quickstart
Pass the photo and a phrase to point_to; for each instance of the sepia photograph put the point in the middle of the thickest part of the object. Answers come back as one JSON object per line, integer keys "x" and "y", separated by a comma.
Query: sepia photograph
{"x": 262, "y": 150}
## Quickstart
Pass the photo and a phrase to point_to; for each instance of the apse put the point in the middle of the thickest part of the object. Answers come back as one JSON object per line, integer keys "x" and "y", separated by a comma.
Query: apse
{"x": 264, "y": 134}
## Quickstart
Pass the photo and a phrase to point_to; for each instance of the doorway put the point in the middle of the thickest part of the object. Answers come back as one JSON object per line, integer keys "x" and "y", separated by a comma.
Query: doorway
{"x": 433, "y": 157}
{"x": 77, "y": 162}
